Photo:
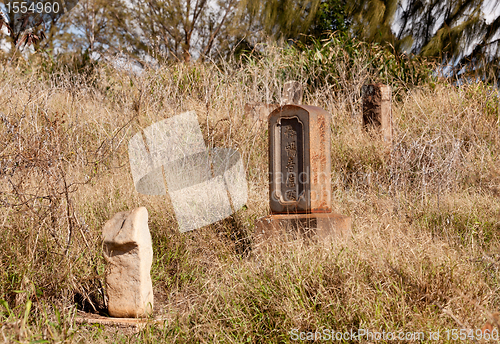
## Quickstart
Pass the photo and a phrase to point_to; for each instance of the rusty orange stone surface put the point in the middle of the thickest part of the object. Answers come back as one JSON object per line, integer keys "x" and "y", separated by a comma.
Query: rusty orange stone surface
{"x": 377, "y": 111}
{"x": 287, "y": 227}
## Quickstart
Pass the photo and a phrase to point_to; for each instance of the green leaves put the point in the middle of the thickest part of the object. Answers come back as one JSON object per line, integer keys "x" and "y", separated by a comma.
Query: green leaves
{"x": 340, "y": 58}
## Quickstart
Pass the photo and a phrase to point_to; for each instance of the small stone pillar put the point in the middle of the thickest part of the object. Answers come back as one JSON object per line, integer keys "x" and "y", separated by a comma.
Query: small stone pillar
{"x": 128, "y": 250}
{"x": 300, "y": 176}
{"x": 377, "y": 109}
{"x": 292, "y": 93}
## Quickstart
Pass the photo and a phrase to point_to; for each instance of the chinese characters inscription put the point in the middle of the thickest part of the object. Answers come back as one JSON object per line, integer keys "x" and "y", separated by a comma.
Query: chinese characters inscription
{"x": 291, "y": 139}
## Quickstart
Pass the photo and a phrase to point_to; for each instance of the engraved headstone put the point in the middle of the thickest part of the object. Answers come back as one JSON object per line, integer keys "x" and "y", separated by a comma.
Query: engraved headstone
{"x": 299, "y": 163}
{"x": 300, "y": 176}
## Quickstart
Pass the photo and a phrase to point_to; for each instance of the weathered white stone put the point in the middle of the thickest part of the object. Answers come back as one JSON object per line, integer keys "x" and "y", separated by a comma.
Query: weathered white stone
{"x": 292, "y": 93}
{"x": 128, "y": 250}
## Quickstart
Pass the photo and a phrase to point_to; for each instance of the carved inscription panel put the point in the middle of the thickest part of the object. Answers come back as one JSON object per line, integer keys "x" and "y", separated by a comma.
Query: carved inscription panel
{"x": 289, "y": 160}
{"x": 292, "y": 159}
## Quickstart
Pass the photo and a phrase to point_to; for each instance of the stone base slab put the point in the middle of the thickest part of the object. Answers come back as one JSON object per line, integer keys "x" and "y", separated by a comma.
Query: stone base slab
{"x": 288, "y": 227}
{"x": 134, "y": 323}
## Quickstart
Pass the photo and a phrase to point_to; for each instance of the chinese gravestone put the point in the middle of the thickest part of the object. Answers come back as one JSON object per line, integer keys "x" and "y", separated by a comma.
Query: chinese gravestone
{"x": 300, "y": 175}
{"x": 377, "y": 109}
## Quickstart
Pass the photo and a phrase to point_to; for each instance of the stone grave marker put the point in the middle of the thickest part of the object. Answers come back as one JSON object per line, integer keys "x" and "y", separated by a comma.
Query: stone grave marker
{"x": 377, "y": 109}
{"x": 128, "y": 250}
{"x": 300, "y": 176}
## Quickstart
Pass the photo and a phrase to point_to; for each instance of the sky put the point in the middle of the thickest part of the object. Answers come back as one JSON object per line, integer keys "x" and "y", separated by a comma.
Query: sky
{"x": 490, "y": 10}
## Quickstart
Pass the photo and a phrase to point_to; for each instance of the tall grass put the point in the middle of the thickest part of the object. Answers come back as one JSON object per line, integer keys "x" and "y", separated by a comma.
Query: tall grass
{"x": 424, "y": 253}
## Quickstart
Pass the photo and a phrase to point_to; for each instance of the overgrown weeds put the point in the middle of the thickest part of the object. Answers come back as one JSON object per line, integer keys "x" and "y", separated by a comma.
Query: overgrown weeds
{"x": 424, "y": 255}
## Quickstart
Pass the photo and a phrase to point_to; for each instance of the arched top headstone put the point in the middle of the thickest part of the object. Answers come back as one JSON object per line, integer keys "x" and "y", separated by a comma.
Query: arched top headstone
{"x": 299, "y": 160}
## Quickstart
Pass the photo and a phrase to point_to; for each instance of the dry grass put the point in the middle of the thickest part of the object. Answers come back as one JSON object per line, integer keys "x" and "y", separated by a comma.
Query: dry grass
{"x": 424, "y": 256}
